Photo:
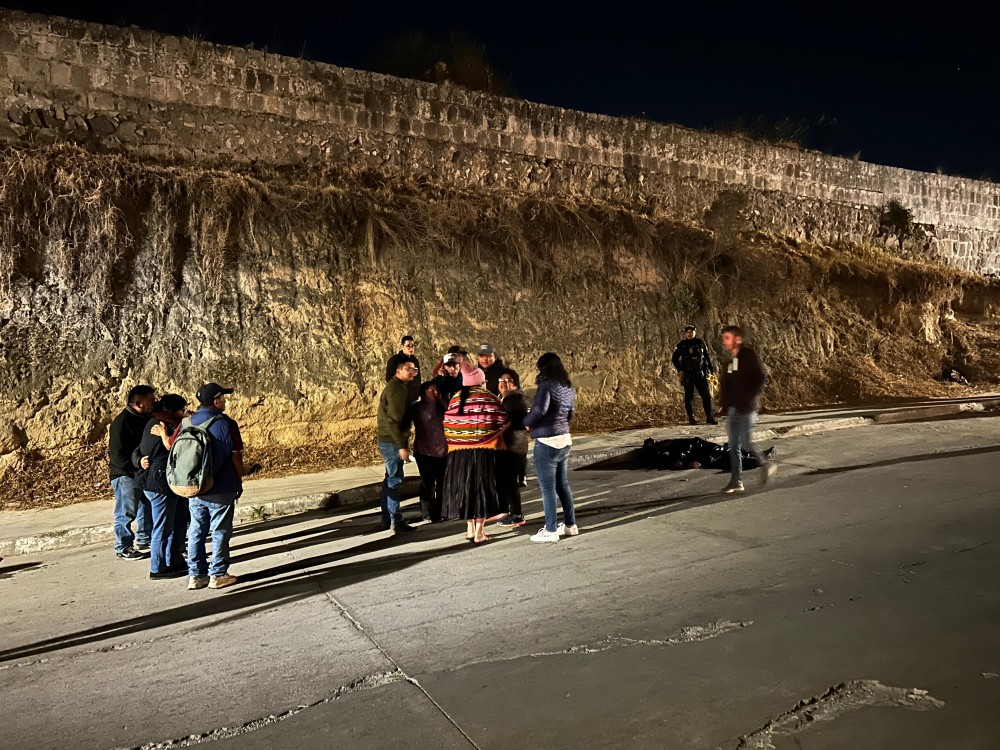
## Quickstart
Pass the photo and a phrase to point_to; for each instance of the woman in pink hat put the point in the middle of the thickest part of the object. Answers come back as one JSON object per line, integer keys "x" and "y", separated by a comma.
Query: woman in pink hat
{"x": 473, "y": 426}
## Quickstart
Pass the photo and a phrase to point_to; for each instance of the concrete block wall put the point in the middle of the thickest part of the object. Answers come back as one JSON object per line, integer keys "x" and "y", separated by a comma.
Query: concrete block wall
{"x": 155, "y": 95}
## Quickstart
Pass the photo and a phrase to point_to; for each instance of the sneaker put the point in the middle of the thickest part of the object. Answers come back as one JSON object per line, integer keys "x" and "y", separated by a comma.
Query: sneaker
{"x": 510, "y": 520}
{"x": 497, "y": 517}
{"x": 197, "y": 582}
{"x": 167, "y": 574}
{"x": 142, "y": 546}
{"x": 220, "y": 582}
{"x": 129, "y": 554}
{"x": 401, "y": 527}
{"x": 712, "y": 421}
{"x": 692, "y": 420}
{"x": 544, "y": 536}
{"x": 734, "y": 485}
{"x": 564, "y": 530}
{"x": 522, "y": 482}
{"x": 770, "y": 469}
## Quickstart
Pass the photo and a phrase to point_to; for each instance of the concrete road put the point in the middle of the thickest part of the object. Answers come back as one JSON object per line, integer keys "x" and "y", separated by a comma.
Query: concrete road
{"x": 853, "y": 603}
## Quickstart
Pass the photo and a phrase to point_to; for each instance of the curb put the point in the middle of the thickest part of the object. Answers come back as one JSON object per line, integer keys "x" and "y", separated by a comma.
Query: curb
{"x": 105, "y": 533}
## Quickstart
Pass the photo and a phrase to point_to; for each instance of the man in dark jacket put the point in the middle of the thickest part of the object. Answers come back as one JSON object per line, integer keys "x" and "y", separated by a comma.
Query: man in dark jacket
{"x": 393, "y": 437}
{"x": 491, "y": 365}
{"x": 449, "y": 380}
{"x": 131, "y": 504}
{"x": 693, "y": 363}
{"x": 430, "y": 449}
{"x": 512, "y": 462}
{"x": 407, "y": 353}
{"x": 741, "y": 386}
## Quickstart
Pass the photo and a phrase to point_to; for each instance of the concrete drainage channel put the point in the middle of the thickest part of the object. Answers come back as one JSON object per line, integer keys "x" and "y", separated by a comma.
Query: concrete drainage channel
{"x": 619, "y": 458}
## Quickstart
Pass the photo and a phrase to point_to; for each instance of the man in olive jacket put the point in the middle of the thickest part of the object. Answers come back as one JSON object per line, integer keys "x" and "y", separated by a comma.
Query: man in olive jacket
{"x": 393, "y": 437}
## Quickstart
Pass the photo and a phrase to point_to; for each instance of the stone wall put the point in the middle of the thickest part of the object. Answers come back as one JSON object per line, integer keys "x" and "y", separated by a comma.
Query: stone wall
{"x": 179, "y": 99}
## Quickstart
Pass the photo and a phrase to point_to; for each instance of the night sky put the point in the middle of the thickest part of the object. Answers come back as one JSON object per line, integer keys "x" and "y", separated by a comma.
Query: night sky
{"x": 899, "y": 86}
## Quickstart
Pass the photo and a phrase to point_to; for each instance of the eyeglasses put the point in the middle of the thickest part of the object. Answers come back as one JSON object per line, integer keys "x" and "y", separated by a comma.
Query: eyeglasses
{"x": 412, "y": 369}
{"x": 506, "y": 380}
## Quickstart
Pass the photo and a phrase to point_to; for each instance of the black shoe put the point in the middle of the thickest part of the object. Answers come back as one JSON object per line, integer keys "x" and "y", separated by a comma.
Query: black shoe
{"x": 712, "y": 421}
{"x": 167, "y": 574}
{"x": 692, "y": 420}
{"x": 129, "y": 554}
{"x": 402, "y": 526}
{"x": 142, "y": 546}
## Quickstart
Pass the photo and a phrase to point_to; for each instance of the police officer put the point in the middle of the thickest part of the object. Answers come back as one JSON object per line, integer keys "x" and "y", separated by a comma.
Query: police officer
{"x": 693, "y": 363}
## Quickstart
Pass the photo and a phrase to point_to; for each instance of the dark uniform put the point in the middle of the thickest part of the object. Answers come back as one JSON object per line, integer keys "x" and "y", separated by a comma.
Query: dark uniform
{"x": 693, "y": 359}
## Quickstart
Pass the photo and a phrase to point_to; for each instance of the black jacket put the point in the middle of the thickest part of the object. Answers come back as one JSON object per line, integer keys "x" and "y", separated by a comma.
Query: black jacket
{"x": 742, "y": 383}
{"x": 154, "y": 478}
{"x": 125, "y": 436}
{"x": 493, "y": 376}
{"x": 692, "y": 357}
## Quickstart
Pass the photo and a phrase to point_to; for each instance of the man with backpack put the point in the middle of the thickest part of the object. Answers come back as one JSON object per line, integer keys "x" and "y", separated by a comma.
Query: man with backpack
{"x": 693, "y": 363}
{"x": 212, "y": 509}
{"x": 130, "y": 502}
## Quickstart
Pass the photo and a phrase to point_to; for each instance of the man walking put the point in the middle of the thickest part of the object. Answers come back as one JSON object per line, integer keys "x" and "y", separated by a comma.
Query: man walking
{"x": 741, "y": 386}
{"x": 212, "y": 512}
{"x": 693, "y": 363}
{"x": 131, "y": 504}
{"x": 393, "y": 435}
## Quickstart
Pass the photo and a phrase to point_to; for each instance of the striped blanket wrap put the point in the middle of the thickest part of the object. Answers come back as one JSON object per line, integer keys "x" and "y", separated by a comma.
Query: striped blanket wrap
{"x": 480, "y": 426}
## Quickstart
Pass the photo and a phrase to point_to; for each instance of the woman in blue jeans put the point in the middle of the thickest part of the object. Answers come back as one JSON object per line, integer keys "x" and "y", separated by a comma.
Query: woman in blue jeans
{"x": 170, "y": 512}
{"x": 548, "y": 422}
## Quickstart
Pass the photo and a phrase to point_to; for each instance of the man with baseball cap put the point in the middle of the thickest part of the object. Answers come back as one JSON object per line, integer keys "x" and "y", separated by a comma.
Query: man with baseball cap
{"x": 491, "y": 365}
{"x": 693, "y": 363}
{"x": 212, "y": 512}
{"x": 449, "y": 380}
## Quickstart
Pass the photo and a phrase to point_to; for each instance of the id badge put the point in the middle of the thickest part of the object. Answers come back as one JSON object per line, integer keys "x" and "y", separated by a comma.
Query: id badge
{"x": 735, "y": 364}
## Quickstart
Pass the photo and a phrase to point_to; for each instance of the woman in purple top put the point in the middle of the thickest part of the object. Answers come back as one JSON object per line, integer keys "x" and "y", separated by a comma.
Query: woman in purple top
{"x": 548, "y": 422}
{"x": 430, "y": 449}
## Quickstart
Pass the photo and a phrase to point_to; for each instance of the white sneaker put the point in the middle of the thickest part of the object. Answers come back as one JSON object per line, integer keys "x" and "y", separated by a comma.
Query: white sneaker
{"x": 564, "y": 530}
{"x": 544, "y": 536}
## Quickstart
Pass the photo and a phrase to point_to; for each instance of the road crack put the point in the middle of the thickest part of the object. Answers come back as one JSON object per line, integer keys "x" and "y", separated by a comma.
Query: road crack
{"x": 690, "y": 634}
{"x": 368, "y": 682}
{"x": 847, "y": 696}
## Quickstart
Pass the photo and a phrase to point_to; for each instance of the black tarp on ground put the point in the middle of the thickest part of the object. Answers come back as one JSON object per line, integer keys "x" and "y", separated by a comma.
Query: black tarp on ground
{"x": 692, "y": 453}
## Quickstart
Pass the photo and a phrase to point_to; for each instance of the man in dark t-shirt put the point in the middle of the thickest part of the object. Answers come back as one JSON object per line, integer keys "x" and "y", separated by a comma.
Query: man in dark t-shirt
{"x": 131, "y": 504}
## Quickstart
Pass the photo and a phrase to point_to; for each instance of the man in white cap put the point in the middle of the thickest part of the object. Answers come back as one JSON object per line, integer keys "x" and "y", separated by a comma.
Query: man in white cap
{"x": 491, "y": 365}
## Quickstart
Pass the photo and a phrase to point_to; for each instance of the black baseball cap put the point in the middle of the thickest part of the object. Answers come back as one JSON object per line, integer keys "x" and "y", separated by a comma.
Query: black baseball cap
{"x": 211, "y": 391}
{"x": 486, "y": 348}
{"x": 690, "y": 327}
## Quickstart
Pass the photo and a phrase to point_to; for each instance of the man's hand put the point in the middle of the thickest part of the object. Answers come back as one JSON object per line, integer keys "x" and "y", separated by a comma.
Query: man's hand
{"x": 158, "y": 429}
{"x": 144, "y": 463}
{"x": 680, "y": 374}
{"x": 404, "y": 455}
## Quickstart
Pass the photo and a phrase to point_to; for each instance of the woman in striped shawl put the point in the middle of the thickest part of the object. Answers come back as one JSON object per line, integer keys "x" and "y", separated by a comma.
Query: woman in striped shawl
{"x": 473, "y": 426}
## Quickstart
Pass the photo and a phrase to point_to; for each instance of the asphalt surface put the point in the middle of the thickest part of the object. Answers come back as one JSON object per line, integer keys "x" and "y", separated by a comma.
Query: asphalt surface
{"x": 852, "y": 603}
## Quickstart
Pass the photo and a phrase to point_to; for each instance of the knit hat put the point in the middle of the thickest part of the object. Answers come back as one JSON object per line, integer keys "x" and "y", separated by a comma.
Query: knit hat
{"x": 472, "y": 376}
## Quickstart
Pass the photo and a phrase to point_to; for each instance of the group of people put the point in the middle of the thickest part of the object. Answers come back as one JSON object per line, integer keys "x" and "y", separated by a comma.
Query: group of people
{"x": 470, "y": 424}
{"x": 170, "y": 528}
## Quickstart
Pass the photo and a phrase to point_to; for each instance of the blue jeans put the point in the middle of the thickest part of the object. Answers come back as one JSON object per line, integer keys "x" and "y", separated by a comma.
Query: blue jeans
{"x": 739, "y": 427}
{"x": 213, "y": 516}
{"x": 550, "y": 468}
{"x": 130, "y": 505}
{"x": 392, "y": 483}
{"x": 170, "y": 519}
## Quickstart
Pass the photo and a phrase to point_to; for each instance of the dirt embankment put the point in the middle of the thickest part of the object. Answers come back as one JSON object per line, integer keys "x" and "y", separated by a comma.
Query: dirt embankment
{"x": 294, "y": 285}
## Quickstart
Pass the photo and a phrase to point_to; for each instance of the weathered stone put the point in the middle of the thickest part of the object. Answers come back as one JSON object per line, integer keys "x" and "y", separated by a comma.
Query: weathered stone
{"x": 101, "y": 125}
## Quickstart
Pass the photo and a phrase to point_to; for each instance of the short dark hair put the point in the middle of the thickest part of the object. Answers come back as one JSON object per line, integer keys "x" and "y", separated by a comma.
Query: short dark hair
{"x": 513, "y": 376}
{"x": 405, "y": 339}
{"x": 425, "y": 385}
{"x": 550, "y": 367}
{"x": 138, "y": 391}
{"x": 171, "y": 402}
{"x": 735, "y": 330}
